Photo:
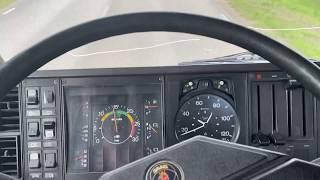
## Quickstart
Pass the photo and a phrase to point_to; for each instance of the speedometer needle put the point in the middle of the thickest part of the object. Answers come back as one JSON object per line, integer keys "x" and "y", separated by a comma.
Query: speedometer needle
{"x": 193, "y": 130}
{"x": 202, "y": 126}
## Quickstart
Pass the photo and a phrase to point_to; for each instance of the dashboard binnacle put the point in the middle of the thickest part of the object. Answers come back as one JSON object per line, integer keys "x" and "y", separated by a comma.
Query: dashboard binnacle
{"x": 120, "y": 123}
{"x": 95, "y": 121}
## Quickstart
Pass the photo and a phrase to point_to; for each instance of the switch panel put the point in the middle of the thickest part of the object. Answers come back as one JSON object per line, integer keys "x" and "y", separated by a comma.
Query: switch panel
{"x": 41, "y": 120}
{"x": 32, "y": 96}
{"x": 50, "y": 160}
{"x": 34, "y": 160}
{"x": 33, "y": 129}
{"x": 49, "y": 129}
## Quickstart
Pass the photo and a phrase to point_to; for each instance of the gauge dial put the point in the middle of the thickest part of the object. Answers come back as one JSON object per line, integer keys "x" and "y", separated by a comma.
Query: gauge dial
{"x": 208, "y": 115}
{"x": 165, "y": 170}
{"x": 119, "y": 124}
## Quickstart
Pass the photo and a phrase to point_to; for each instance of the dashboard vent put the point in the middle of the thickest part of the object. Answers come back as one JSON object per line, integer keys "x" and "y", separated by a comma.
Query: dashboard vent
{"x": 9, "y": 156}
{"x": 275, "y": 108}
{"x": 9, "y": 112}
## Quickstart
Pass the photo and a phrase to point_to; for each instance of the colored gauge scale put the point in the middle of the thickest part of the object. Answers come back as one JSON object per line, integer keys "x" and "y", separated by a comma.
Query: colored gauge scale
{"x": 119, "y": 124}
{"x": 208, "y": 115}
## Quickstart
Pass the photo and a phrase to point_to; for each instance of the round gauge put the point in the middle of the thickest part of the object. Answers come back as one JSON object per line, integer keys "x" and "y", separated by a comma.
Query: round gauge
{"x": 165, "y": 170}
{"x": 118, "y": 124}
{"x": 208, "y": 115}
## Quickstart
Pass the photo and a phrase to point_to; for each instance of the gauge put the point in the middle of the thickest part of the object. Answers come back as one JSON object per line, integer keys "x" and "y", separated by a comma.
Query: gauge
{"x": 81, "y": 158}
{"x": 152, "y": 125}
{"x": 118, "y": 124}
{"x": 151, "y": 130}
{"x": 165, "y": 170}
{"x": 209, "y": 115}
{"x": 78, "y": 142}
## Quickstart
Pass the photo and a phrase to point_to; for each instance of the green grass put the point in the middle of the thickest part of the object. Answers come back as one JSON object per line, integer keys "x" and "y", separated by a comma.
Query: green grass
{"x": 5, "y": 3}
{"x": 285, "y": 14}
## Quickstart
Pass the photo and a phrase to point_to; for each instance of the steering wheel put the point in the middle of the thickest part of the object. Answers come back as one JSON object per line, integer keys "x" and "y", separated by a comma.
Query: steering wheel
{"x": 23, "y": 64}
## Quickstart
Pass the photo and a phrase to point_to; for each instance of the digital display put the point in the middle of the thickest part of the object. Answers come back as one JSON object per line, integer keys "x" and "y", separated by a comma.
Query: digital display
{"x": 111, "y": 126}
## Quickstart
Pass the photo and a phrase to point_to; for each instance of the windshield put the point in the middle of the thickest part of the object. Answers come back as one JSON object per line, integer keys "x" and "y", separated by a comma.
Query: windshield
{"x": 23, "y": 23}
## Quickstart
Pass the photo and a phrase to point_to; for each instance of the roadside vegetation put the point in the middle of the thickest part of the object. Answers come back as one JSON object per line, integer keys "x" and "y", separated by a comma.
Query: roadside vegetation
{"x": 5, "y": 3}
{"x": 279, "y": 14}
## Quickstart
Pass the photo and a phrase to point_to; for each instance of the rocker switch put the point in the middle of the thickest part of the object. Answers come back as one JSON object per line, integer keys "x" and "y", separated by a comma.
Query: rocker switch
{"x": 32, "y": 96}
{"x": 33, "y": 129}
{"x": 50, "y": 160}
{"x": 34, "y": 160}
{"x": 49, "y": 130}
{"x": 48, "y": 96}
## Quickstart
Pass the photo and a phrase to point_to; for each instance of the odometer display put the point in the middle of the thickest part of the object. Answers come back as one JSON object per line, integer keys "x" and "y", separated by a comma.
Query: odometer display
{"x": 208, "y": 115}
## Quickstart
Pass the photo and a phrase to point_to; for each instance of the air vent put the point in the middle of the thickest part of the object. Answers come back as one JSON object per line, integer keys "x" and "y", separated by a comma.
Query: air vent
{"x": 9, "y": 155}
{"x": 275, "y": 108}
{"x": 9, "y": 112}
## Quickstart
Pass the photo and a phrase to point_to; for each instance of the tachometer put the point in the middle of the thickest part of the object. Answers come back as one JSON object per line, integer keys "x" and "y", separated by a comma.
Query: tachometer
{"x": 118, "y": 124}
{"x": 208, "y": 115}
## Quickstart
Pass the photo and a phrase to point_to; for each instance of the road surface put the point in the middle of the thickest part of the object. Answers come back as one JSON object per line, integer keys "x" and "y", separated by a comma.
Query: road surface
{"x": 27, "y": 22}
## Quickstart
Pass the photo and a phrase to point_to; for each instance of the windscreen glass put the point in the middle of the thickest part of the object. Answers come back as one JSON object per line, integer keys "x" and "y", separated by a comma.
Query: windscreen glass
{"x": 295, "y": 23}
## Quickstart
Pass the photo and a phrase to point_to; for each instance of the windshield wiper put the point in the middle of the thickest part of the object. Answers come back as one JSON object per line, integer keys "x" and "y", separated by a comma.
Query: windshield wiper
{"x": 239, "y": 58}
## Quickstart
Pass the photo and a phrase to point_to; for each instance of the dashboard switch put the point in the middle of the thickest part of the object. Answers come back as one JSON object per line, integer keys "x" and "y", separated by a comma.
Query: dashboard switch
{"x": 33, "y": 129}
{"x": 48, "y": 96}
{"x": 34, "y": 160}
{"x": 49, "y": 130}
{"x": 50, "y": 160}
{"x": 260, "y": 139}
{"x": 32, "y": 96}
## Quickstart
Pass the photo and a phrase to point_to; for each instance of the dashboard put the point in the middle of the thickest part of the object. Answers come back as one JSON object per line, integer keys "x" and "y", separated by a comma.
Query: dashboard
{"x": 79, "y": 124}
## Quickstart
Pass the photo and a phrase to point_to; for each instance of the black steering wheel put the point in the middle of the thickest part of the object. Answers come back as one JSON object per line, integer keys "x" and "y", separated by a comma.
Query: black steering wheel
{"x": 23, "y": 64}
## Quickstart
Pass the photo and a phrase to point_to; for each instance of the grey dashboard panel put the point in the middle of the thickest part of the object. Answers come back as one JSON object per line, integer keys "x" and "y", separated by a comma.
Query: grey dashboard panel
{"x": 206, "y": 159}
{"x": 293, "y": 169}
{"x": 242, "y": 77}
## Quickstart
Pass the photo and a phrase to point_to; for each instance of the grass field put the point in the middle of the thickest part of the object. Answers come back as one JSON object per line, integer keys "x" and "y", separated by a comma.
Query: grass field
{"x": 285, "y": 14}
{"x": 5, "y": 3}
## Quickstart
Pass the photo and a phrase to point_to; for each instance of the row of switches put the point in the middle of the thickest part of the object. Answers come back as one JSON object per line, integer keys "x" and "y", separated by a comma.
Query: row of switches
{"x": 33, "y": 96}
{"x": 50, "y": 160}
{"x": 48, "y": 127}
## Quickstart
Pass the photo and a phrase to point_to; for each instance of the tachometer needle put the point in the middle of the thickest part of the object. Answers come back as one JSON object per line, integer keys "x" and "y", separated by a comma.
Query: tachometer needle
{"x": 115, "y": 120}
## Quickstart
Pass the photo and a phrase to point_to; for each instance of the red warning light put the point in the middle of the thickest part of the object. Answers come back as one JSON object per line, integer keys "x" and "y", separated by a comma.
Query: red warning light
{"x": 258, "y": 76}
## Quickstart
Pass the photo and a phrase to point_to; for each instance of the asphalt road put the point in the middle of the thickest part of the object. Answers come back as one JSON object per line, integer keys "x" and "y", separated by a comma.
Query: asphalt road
{"x": 27, "y": 22}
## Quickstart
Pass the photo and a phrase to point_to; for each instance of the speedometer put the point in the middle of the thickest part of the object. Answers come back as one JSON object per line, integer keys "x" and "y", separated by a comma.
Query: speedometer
{"x": 209, "y": 115}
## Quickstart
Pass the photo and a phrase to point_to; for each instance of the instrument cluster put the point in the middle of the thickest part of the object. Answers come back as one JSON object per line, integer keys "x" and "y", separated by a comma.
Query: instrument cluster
{"x": 111, "y": 126}
{"x": 116, "y": 123}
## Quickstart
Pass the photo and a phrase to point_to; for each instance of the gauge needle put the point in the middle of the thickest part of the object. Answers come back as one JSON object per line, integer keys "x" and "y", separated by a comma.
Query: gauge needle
{"x": 193, "y": 130}
{"x": 208, "y": 120}
{"x": 202, "y": 126}
{"x": 115, "y": 120}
